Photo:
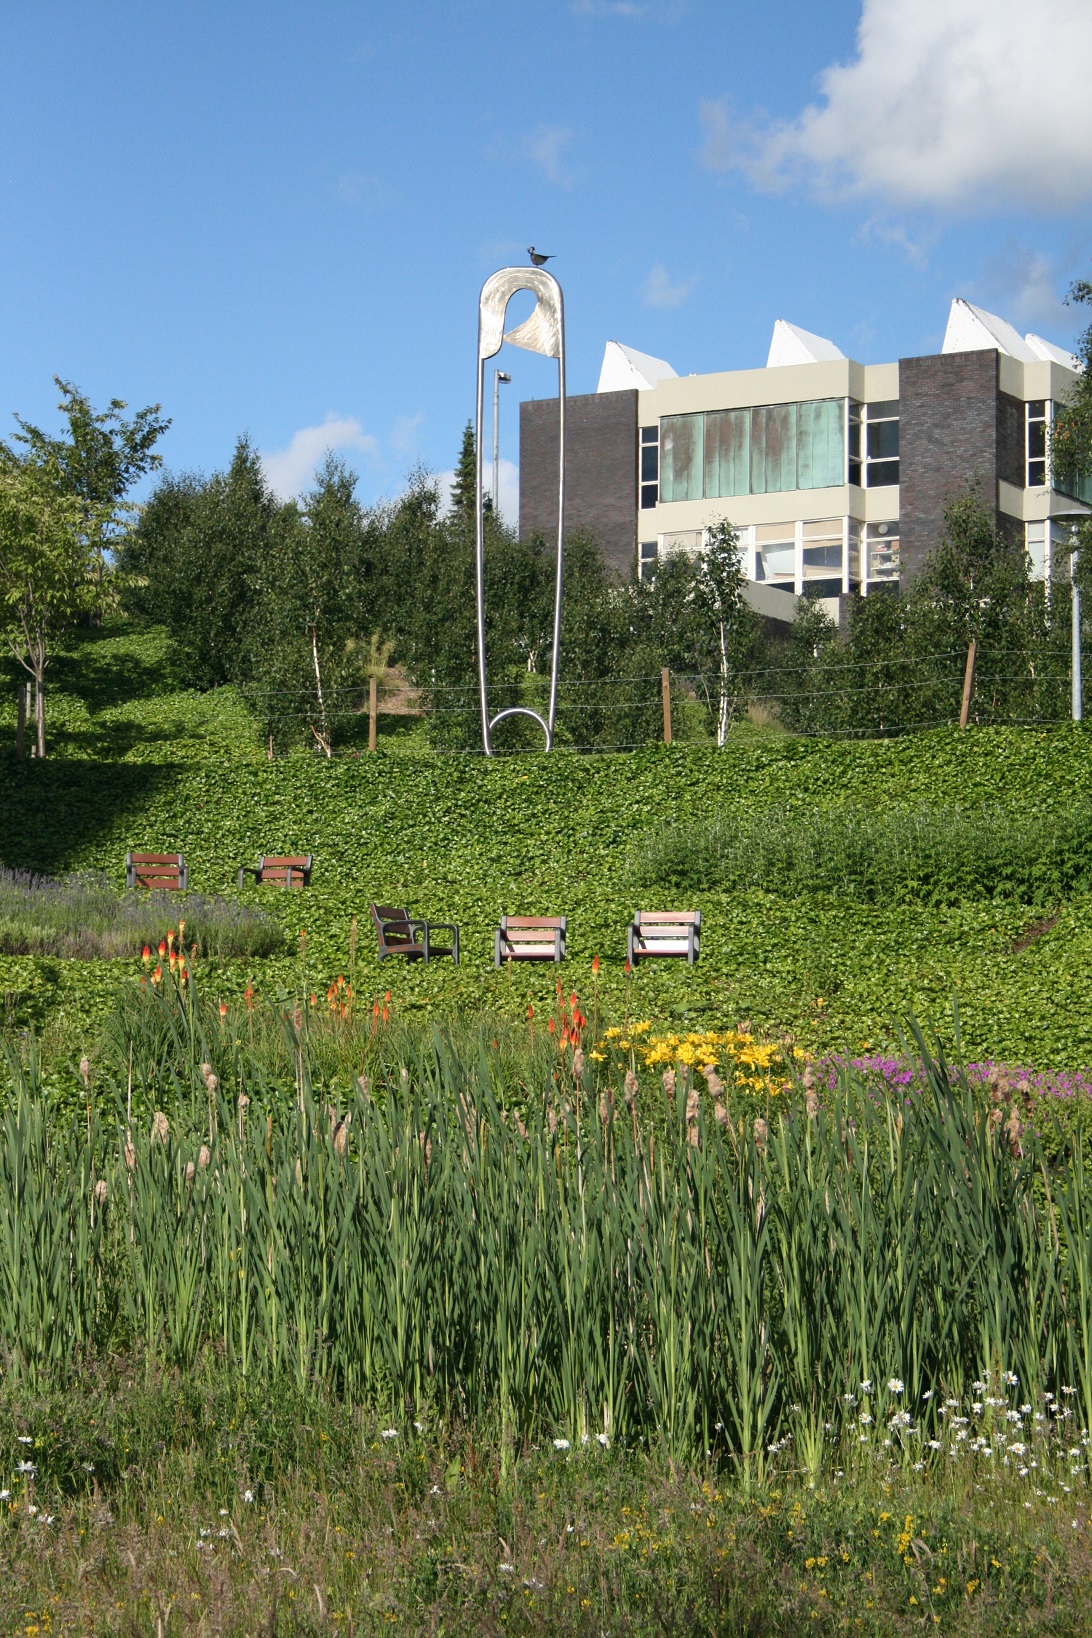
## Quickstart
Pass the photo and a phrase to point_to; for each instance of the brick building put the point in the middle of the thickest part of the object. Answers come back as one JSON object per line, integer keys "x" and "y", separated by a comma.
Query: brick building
{"x": 834, "y": 473}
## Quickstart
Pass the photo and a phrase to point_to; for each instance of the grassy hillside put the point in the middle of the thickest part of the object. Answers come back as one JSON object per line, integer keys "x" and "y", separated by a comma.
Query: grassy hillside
{"x": 139, "y": 761}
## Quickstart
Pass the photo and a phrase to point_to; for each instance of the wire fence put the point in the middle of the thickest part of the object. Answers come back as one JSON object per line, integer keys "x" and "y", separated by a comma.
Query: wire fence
{"x": 837, "y": 698}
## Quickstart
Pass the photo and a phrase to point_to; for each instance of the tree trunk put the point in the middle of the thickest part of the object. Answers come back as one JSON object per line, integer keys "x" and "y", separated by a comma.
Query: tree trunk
{"x": 722, "y": 719}
{"x": 324, "y": 737}
{"x": 39, "y": 714}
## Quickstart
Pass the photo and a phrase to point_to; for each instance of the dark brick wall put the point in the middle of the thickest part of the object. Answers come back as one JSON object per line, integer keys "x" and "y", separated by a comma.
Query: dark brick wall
{"x": 955, "y": 426}
{"x": 1011, "y": 451}
{"x": 600, "y": 471}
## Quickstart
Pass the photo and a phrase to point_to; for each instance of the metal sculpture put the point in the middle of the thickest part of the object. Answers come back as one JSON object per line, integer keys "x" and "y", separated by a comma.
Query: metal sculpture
{"x": 543, "y": 332}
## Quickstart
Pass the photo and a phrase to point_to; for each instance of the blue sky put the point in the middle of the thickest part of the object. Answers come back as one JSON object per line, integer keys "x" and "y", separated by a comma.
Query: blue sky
{"x": 276, "y": 218}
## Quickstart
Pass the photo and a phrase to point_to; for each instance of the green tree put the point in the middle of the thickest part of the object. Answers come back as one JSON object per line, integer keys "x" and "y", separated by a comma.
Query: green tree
{"x": 723, "y": 617}
{"x": 97, "y": 461}
{"x": 1071, "y": 435}
{"x": 308, "y": 663}
{"x": 464, "y": 488}
{"x": 201, "y": 554}
{"x": 45, "y": 565}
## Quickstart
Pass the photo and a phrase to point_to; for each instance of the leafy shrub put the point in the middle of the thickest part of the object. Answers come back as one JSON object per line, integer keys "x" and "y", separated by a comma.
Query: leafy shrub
{"x": 86, "y": 916}
{"x": 935, "y": 855}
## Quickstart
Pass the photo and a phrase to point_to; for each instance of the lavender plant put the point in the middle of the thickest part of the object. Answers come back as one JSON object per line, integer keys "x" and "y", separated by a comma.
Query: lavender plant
{"x": 85, "y": 916}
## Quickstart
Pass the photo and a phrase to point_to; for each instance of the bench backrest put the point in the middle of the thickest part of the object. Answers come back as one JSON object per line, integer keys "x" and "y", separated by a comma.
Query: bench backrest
{"x": 529, "y": 929}
{"x": 163, "y": 870}
{"x": 292, "y": 870}
{"x": 658, "y": 921}
{"x": 383, "y": 915}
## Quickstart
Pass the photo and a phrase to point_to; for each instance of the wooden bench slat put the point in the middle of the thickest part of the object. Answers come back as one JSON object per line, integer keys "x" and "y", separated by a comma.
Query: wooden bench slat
{"x": 519, "y": 938}
{"x": 664, "y": 933}
{"x": 160, "y": 870}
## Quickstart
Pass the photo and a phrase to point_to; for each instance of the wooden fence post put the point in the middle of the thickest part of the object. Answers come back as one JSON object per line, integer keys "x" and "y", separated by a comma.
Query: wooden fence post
{"x": 373, "y": 711}
{"x": 968, "y": 686}
{"x": 665, "y": 685}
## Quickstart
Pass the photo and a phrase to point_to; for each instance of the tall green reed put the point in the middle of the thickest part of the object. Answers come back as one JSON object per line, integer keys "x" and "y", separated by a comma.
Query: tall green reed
{"x": 560, "y": 1253}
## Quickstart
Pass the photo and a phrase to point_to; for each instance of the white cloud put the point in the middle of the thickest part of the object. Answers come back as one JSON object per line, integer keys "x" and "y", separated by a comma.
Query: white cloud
{"x": 946, "y": 103}
{"x": 1024, "y": 282}
{"x": 896, "y": 236}
{"x": 548, "y": 146}
{"x": 290, "y": 470}
{"x": 659, "y": 291}
{"x": 404, "y": 434}
{"x": 668, "y": 10}
{"x": 508, "y": 486}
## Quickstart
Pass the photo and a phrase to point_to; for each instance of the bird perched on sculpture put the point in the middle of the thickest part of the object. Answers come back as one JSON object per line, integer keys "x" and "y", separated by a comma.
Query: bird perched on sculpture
{"x": 538, "y": 258}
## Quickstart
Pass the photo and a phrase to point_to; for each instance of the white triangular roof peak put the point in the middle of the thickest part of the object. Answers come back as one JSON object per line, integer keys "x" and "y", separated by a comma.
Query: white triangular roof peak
{"x": 789, "y": 344}
{"x": 971, "y": 329}
{"x": 625, "y": 367}
{"x": 1051, "y": 354}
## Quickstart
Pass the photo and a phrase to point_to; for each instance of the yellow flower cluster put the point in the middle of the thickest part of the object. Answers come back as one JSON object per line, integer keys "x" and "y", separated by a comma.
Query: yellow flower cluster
{"x": 752, "y": 1065}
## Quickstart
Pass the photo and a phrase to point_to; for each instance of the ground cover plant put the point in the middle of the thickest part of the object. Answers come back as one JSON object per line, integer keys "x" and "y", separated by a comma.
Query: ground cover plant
{"x": 923, "y": 854}
{"x": 85, "y": 916}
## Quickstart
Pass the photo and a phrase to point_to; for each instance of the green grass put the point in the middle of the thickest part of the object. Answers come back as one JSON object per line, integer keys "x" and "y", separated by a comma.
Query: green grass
{"x": 145, "y": 1486}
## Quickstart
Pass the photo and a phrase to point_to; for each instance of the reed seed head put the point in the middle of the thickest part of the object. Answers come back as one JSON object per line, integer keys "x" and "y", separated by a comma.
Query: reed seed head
{"x": 669, "y": 1082}
{"x": 129, "y": 1151}
{"x": 85, "y": 1070}
{"x": 191, "y": 1172}
{"x": 630, "y": 1088}
{"x": 101, "y": 1191}
{"x": 203, "y": 1158}
{"x": 160, "y": 1127}
{"x": 762, "y": 1131}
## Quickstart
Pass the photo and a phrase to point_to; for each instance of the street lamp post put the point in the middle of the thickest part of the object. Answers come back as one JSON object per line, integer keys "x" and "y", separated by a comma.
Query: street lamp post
{"x": 1078, "y": 693}
{"x": 498, "y": 377}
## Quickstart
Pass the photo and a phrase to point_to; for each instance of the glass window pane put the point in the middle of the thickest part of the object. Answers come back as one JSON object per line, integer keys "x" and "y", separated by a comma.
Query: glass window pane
{"x": 650, "y": 460}
{"x": 1037, "y": 409}
{"x": 1036, "y": 474}
{"x": 773, "y": 449}
{"x": 1036, "y": 439}
{"x": 820, "y": 461}
{"x": 681, "y": 460}
{"x": 881, "y": 473}
{"x": 855, "y": 472}
{"x": 882, "y": 412}
{"x": 728, "y": 453}
{"x": 883, "y": 440}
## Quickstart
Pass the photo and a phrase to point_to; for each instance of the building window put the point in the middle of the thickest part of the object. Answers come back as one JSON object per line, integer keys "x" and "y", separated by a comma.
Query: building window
{"x": 682, "y": 457}
{"x": 767, "y": 450}
{"x": 882, "y": 552}
{"x": 873, "y": 444}
{"x": 881, "y": 428}
{"x": 775, "y": 554}
{"x": 649, "y": 471}
{"x": 1049, "y": 545}
{"x": 1038, "y": 419}
{"x": 646, "y": 560}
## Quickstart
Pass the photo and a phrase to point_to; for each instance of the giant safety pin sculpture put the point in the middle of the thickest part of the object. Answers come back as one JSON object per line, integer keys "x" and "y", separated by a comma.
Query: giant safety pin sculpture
{"x": 543, "y": 332}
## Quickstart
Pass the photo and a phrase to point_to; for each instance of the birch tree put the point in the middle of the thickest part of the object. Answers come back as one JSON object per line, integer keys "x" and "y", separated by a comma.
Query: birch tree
{"x": 46, "y": 567}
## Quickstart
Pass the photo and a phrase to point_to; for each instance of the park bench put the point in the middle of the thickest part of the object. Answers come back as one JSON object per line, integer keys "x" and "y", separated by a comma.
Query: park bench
{"x": 530, "y": 938}
{"x": 663, "y": 933}
{"x": 283, "y": 869}
{"x": 162, "y": 870}
{"x": 403, "y": 934}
